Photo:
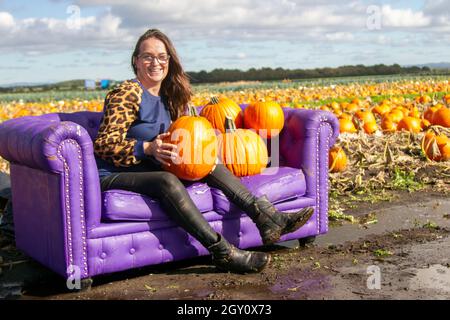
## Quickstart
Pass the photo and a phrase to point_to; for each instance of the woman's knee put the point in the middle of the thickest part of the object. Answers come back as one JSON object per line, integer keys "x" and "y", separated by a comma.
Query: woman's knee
{"x": 169, "y": 181}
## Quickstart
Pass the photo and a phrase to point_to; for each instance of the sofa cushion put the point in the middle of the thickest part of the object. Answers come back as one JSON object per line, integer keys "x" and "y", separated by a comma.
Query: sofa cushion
{"x": 122, "y": 205}
{"x": 277, "y": 183}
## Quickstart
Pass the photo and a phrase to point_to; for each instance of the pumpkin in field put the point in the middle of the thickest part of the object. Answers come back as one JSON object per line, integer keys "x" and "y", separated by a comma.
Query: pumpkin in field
{"x": 242, "y": 151}
{"x": 436, "y": 147}
{"x": 396, "y": 115}
{"x": 425, "y": 123}
{"x": 266, "y": 117}
{"x": 442, "y": 117}
{"x": 370, "y": 127}
{"x": 346, "y": 125}
{"x": 410, "y": 124}
{"x": 197, "y": 147}
{"x": 364, "y": 116}
{"x": 217, "y": 110}
{"x": 431, "y": 111}
{"x": 337, "y": 160}
{"x": 381, "y": 109}
{"x": 388, "y": 124}
{"x": 364, "y": 119}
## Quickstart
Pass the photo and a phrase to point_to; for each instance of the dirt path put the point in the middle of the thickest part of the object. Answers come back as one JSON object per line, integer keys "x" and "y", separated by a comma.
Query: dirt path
{"x": 398, "y": 250}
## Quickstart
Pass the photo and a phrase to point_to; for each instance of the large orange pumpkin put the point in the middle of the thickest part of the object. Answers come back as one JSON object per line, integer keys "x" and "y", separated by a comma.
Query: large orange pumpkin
{"x": 217, "y": 110}
{"x": 266, "y": 117}
{"x": 197, "y": 147}
{"x": 242, "y": 151}
{"x": 337, "y": 160}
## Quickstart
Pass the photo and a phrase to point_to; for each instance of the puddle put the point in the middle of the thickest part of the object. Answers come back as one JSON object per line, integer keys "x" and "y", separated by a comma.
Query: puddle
{"x": 436, "y": 277}
{"x": 304, "y": 284}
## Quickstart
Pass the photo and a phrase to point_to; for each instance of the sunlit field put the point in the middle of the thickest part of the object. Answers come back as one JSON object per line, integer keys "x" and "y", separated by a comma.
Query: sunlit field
{"x": 394, "y": 130}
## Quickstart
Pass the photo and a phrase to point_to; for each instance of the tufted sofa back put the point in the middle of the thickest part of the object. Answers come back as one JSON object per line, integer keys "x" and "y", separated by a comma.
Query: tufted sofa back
{"x": 87, "y": 119}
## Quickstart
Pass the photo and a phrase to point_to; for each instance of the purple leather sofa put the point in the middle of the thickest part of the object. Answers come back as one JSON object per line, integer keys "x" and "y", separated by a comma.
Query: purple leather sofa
{"x": 62, "y": 219}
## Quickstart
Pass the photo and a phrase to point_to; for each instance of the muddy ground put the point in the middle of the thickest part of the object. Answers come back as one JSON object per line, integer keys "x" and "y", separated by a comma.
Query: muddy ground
{"x": 393, "y": 250}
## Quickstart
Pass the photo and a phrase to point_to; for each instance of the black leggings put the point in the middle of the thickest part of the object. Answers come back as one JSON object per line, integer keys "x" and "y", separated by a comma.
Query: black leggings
{"x": 175, "y": 200}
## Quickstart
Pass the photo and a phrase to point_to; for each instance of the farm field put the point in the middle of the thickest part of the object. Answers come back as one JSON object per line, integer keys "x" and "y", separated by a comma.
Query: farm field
{"x": 383, "y": 120}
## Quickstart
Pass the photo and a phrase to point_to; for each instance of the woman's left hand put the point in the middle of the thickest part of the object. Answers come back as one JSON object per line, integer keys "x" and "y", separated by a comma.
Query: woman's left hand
{"x": 160, "y": 150}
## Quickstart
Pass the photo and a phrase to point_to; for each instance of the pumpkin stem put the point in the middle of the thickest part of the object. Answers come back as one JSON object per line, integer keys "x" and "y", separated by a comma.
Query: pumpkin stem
{"x": 192, "y": 111}
{"x": 214, "y": 100}
{"x": 229, "y": 124}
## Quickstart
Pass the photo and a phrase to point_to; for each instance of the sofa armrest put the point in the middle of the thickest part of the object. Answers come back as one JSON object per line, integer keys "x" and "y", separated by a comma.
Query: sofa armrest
{"x": 55, "y": 188}
{"x": 304, "y": 143}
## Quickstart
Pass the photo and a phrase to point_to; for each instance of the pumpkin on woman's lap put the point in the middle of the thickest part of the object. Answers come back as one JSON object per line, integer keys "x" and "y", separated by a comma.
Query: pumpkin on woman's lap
{"x": 196, "y": 145}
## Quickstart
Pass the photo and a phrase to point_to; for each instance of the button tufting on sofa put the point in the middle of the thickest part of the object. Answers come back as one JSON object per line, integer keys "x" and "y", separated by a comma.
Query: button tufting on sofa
{"x": 132, "y": 251}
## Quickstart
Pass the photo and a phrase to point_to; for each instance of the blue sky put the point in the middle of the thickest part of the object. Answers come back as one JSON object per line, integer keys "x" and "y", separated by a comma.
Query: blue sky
{"x": 54, "y": 40}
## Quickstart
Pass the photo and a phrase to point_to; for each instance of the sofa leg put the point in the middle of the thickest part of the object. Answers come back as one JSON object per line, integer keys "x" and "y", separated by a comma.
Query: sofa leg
{"x": 306, "y": 241}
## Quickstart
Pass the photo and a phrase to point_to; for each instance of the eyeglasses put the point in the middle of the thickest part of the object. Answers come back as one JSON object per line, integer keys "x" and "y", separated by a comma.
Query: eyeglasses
{"x": 161, "y": 59}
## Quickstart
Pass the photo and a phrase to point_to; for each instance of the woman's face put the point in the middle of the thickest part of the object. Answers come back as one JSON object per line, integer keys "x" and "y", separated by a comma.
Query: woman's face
{"x": 152, "y": 63}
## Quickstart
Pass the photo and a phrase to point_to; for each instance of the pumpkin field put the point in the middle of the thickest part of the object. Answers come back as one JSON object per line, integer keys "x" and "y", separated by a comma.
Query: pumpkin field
{"x": 394, "y": 131}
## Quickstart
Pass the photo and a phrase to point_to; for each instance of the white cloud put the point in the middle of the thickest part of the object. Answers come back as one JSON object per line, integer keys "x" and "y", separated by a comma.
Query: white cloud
{"x": 220, "y": 23}
{"x": 33, "y": 36}
{"x": 403, "y": 18}
{"x": 6, "y": 20}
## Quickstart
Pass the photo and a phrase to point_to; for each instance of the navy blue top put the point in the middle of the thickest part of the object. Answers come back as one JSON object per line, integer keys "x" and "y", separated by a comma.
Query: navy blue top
{"x": 153, "y": 119}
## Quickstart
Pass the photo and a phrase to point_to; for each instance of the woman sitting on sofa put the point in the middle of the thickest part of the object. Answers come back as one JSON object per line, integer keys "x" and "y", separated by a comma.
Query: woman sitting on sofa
{"x": 129, "y": 151}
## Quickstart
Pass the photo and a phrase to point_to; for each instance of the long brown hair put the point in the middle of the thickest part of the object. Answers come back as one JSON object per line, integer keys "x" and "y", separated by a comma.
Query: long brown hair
{"x": 176, "y": 87}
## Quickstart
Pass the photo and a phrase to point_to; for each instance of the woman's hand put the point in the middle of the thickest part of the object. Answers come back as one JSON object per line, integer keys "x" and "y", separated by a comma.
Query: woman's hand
{"x": 160, "y": 150}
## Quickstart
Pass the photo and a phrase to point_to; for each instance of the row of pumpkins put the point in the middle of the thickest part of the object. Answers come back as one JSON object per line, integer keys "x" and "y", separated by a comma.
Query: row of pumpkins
{"x": 435, "y": 146}
{"x": 241, "y": 149}
{"x": 394, "y": 119}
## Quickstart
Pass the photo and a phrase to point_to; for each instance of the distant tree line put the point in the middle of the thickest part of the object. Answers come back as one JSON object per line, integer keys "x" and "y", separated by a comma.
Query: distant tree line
{"x": 264, "y": 74}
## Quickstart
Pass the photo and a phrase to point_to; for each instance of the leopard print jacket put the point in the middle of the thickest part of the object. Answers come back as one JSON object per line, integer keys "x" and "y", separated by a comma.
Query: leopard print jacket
{"x": 121, "y": 109}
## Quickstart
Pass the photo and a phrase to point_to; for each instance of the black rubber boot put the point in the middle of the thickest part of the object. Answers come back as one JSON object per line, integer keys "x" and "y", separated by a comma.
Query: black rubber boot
{"x": 272, "y": 224}
{"x": 229, "y": 258}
